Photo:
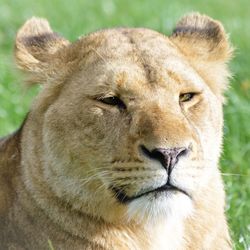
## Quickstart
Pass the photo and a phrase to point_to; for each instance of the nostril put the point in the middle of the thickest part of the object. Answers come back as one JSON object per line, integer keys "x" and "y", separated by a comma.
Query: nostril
{"x": 145, "y": 151}
{"x": 154, "y": 154}
{"x": 160, "y": 155}
{"x": 181, "y": 152}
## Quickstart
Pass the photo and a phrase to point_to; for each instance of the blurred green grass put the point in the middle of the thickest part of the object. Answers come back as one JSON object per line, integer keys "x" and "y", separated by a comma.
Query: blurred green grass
{"x": 74, "y": 18}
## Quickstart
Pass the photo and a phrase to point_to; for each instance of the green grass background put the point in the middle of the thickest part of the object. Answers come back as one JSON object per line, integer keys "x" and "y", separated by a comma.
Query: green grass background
{"x": 74, "y": 18}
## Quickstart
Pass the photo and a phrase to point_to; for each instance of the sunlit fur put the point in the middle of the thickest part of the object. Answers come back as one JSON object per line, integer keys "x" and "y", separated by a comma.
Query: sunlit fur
{"x": 75, "y": 149}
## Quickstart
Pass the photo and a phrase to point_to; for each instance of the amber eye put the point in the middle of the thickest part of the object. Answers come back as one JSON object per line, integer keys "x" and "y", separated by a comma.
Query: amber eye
{"x": 186, "y": 97}
{"x": 113, "y": 101}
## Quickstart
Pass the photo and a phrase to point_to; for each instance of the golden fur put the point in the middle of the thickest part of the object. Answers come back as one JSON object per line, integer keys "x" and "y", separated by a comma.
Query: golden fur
{"x": 59, "y": 172}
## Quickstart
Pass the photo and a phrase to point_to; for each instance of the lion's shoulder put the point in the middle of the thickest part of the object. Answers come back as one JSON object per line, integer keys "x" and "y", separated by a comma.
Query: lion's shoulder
{"x": 9, "y": 162}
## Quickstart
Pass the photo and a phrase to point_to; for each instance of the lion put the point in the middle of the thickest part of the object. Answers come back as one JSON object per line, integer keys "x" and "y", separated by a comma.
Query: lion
{"x": 120, "y": 148}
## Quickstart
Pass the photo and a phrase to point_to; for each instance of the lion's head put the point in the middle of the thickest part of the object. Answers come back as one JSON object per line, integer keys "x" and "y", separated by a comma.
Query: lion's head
{"x": 128, "y": 125}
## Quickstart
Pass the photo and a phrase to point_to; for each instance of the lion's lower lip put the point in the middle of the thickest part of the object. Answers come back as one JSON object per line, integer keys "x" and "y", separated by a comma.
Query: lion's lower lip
{"x": 123, "y": 198}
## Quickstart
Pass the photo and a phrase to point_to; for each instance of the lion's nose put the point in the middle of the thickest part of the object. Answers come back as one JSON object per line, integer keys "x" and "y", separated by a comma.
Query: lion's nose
{"x": 168, "y": 157}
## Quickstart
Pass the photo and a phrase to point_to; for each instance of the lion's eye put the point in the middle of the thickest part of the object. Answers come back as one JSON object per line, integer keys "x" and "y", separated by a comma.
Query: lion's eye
{"x": 114, "y": 101}
{"x": 186, "y": 97}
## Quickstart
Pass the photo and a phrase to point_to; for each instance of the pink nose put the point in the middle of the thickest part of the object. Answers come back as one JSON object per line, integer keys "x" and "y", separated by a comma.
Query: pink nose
{"x": 168, "y": 157}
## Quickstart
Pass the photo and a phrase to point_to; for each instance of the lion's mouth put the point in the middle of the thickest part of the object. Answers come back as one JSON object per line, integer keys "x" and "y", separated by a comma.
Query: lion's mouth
{"x": 123, "y": 198}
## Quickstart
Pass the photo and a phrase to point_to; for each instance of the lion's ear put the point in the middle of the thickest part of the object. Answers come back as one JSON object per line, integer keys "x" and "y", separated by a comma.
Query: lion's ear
{"x": 204, "y": 42}
{"x": 36, "y": 46}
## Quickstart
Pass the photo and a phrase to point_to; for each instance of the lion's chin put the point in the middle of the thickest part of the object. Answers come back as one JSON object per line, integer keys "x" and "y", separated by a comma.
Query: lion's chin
{"x": 164, "y": 206}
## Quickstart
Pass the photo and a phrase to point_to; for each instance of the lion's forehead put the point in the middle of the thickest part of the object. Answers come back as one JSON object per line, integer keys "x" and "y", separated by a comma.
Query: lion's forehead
{"x": 121, "y": 36}
{"x": 133, "y": 77}
{"x": 126, "y": 57}
{"x": 136, "y": 44}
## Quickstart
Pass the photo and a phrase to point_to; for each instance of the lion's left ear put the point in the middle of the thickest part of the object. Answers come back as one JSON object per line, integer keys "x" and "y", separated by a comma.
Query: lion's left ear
{"x": 204, "y": 42}
{"x": 36, "y": 48}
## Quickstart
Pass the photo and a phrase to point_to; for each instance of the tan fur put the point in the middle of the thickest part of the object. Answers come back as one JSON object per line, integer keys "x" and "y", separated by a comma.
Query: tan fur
{"x": 57, "y": 171}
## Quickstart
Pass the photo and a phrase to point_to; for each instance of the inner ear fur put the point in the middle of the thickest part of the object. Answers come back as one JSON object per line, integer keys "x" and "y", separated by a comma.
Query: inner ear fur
{"x": 36, "y": 47}
{"x": 205, "y": 44}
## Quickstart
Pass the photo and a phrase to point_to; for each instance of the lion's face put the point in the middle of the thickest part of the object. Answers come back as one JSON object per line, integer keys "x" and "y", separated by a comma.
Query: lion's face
{"x": 134, "y": 131}
{"x": 112, "y": 110}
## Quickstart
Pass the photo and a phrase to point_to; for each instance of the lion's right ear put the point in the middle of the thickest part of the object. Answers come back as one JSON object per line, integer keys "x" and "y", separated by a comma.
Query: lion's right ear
{"x": 35, "y": 48}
